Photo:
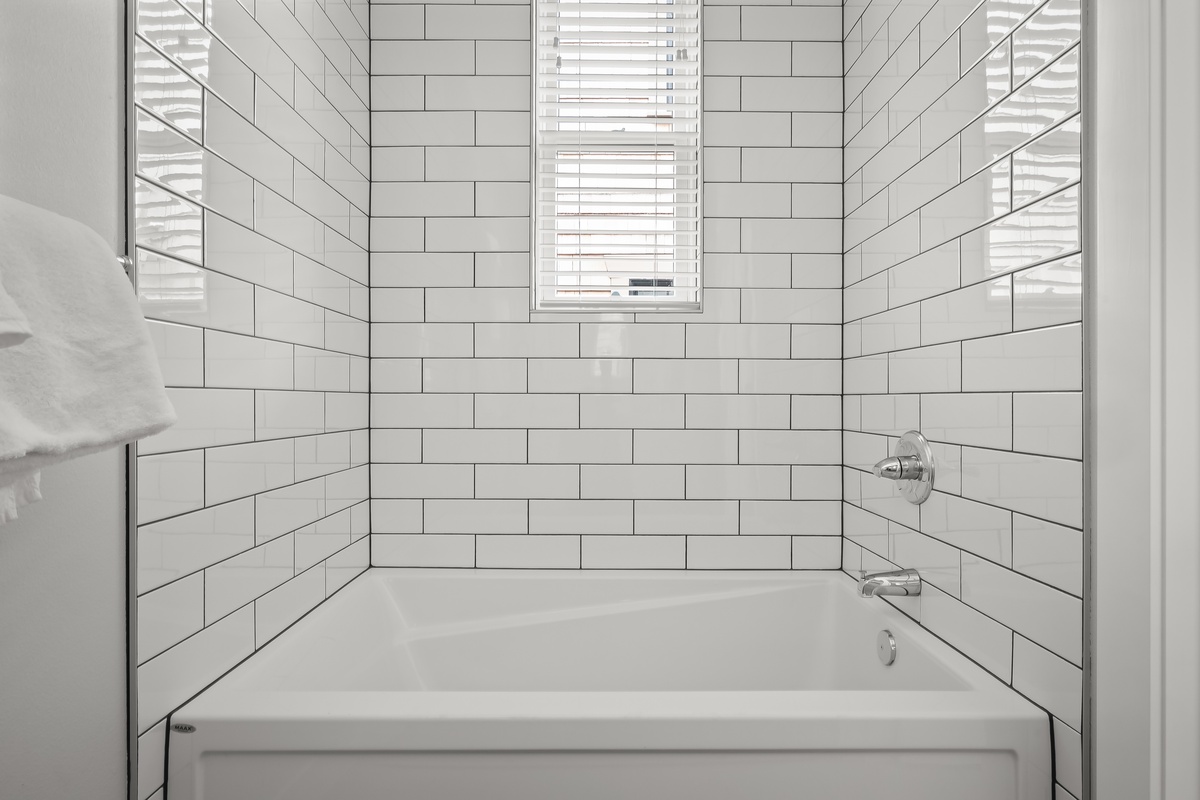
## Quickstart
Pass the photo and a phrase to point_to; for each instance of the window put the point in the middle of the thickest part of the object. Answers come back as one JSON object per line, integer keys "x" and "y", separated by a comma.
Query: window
{"x": 617, "y": 175}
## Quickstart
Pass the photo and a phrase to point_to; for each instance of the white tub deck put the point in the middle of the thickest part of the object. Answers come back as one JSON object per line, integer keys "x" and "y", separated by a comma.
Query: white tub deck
{"x": 457, "y": 684}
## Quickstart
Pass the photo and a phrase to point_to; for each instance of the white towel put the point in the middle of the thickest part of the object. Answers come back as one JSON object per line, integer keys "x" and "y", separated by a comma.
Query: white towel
{"x": 14, "y": 328}
{"x": 23, "y": 491}
{"x": 87, "y": 379}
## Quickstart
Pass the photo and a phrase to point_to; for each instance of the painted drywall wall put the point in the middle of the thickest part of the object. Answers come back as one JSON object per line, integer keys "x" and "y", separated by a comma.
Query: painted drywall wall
{"x": 62, "y": 564}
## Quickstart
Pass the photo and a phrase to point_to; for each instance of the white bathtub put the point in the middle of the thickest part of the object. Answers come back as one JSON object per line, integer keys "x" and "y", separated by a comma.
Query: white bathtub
{"x": 541, "y": 685}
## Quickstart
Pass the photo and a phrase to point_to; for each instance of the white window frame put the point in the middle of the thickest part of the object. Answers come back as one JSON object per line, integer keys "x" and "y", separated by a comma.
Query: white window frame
{"x": 550, "y": 237}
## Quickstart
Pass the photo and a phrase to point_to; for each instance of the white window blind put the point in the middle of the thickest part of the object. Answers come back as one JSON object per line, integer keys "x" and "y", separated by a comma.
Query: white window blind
{"x": 617, "y": 176}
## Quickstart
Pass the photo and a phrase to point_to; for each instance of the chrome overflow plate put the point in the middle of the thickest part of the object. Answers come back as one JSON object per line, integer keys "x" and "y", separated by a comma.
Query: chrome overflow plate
{"x": 885, "y": 647}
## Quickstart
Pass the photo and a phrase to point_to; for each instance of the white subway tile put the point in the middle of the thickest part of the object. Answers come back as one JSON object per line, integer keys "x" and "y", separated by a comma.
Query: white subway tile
{"x": 617, "y": 340}
{"x": 738, "y": 341}
{"x": 981, "y": 638}
{"x": 791, "y": 305}
{"x": 288, "y": 414}
{"x": 478, "y": 164}
{"x": 280, "y": 607}
{"x": 396, "y": 446}
{"x": 1051, "y": 553}
{"x": 979, "y": 419}
{"x": 395, "y": 375}
{"x": 421, "y": 199}
{"x": 698, "y": 517}
{"x": 174, "y": 291}
{"x": 865, "y": 376}
{"x": 477, "y": 92}
{"x": 168, "y": 615}
{"x": 629, "y": 481}
{"x": 937, "y": 368}
{"x": 422, "y": 411}
{"x": 476, "y": 516}
{"x": 937, "y": 562}
{"x": 170, "y": 679}
{"x": 979, "y": 310}
{"x": 898, "y": 329}
{"x": 477, "y": 22}
{"x": 453, "y": 375}
{"x": 519, "y": 340}
{"x": 865, "y": 529}
{"x": 685, "y": 447}
{"x": 419, "y": 270}
{"x": 633, "y": 552}
{"x": 1068, "y": 758}
{"x": 1050, "y": 294}
{"x": 581, "y": 516}
{"x": 739, "y": 552}
{"x": 1046, "y": 360}
{"x": 151, "y": 756}
{"x": 981, "y": 529}
{"x": 527, "y": 411}
{"x": 816, "y": 552}
{"x": 422, "y": 550}
{"x": 288, "y": 508}
{"x": 1043, "y": 231}
{"x": 180, "y": 352}
{"x": 1049, "y": 681}
{"x": 207, "y": 417}
{"x": 541, "y": 481}
{"x": 738, "y": 411}
{"x": 1045, "y": 615}
{"x": 239, "y": 580}
{"x": 469, "y": 446}
{"x": 741, "y": 482}
{"x": 747, "y": 58}
{"x": 422, "y": 480}
{"x": 580, "y": 375}
{"x": 783, "y": 376}
{"x": 566, "y": 446}
{"x": 416, "y": 128}
{"x": 421, "y": 340}
{"x": 527, "y": 551}
{"x": 631, "y": 411}
{"x": 693, "y": 375}
{"x": 889, "y": 414}
{"x": 475, "y": 305}
{"x": 342, "y": 567}
{"x": 816, "y": 412}
{"x": 789, "y": 447}
{"x": 396, "y": 516}
{"x": 790, "y": 518}
{"x": 1049, "y": 424}
{"x": 180, "y": 546}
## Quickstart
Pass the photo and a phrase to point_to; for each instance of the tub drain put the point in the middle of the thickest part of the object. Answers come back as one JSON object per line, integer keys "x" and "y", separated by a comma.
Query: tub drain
{"x": 885, "y": 646}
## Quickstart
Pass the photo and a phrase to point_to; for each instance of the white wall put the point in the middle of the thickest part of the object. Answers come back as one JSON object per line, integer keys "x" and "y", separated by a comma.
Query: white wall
{"x": 62, "y": 564}
{"x": 509, "y": 438}
{"x": 1143, "y": 163}
{"x": 963, "y": 309}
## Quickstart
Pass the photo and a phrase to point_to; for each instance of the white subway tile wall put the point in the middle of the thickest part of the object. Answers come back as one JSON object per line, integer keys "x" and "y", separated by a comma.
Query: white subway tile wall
{"x": 505, "y": 438}
{"x": 334, "y": 242}
{"x": 253, "y": 192}
{"x": 962, "y": 309}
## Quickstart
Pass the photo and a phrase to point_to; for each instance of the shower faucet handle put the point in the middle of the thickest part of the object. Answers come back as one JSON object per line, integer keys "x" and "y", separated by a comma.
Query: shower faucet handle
{"x": 900, "y": 468}
{"x": 912, "y": 467}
